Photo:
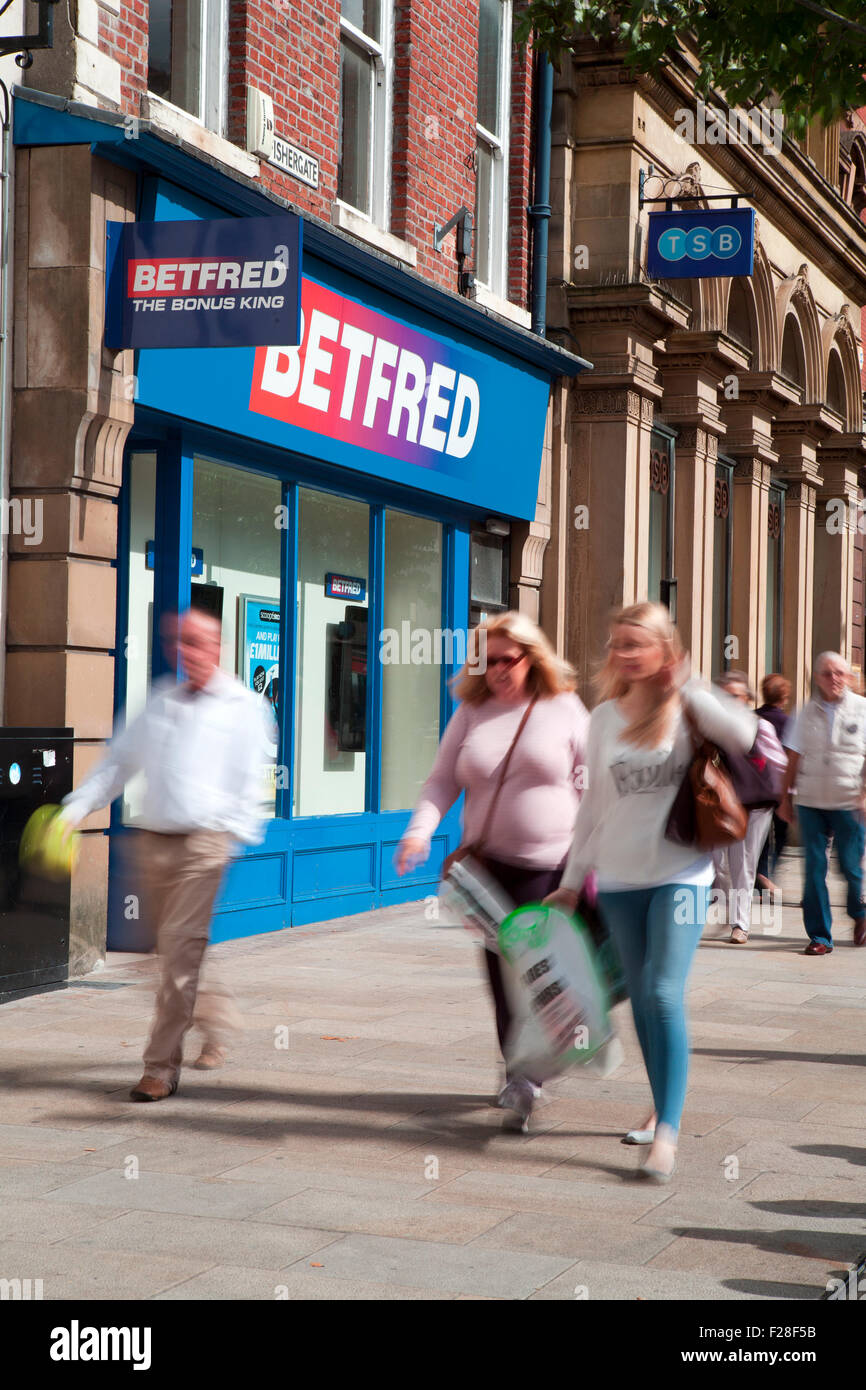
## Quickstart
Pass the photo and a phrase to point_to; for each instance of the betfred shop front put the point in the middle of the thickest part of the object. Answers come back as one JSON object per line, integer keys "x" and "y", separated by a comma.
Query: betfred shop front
{"x": 326, "y": 502}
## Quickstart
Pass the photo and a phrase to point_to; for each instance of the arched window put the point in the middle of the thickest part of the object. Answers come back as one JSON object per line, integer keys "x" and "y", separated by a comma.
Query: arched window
{"x": 793, "y": 356}
{"x": 836, "y": 394}
{"x": 741, "y": 325}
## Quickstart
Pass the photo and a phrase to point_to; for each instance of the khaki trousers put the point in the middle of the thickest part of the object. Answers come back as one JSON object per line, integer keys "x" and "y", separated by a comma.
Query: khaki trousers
{"x": 179, "y": 876}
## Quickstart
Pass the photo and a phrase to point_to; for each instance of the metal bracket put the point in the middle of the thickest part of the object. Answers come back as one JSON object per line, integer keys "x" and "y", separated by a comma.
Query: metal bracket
{"x": 642, "y": 202}
{"x": 21, "y": 44}
{"x": 464, "y": 242}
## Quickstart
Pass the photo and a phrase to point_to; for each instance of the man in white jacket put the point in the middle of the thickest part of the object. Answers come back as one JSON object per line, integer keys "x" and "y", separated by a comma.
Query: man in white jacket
{"x": 203, "y": 747}
{"x": 826, "y": 765}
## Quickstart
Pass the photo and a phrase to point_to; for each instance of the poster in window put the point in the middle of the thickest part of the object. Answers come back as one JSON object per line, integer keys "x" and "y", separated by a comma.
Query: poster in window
{"x": 259, "y": 660}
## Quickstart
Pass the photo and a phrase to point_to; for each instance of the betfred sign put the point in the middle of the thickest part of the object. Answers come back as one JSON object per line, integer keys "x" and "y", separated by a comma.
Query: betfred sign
{"x": 228, "y": 282}
{"x": 368, "y": 380}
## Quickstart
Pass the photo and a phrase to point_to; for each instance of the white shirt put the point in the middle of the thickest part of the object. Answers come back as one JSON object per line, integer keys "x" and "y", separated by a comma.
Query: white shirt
{"x": 794, "y": 737}
{"x": 621, "y": 822}
{"x": 204, "y": 755}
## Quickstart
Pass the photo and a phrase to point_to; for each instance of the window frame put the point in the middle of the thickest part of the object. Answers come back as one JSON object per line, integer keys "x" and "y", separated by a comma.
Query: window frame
{"x": 379, "y": 184}
{"x": 781, "y": 487}
{"x": 498, "y": 143}
{"x": 213, "y": 91}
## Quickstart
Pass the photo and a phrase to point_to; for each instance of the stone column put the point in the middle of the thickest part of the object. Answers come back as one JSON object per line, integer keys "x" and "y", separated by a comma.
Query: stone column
{"x": 71, "y": 412}
{"x": 796, "y": 436}
{"x": 529, "y": 539}
{"x": 837, "y": 520}
{"x": 608, "y": 539}
{"x": 749, "y": 443}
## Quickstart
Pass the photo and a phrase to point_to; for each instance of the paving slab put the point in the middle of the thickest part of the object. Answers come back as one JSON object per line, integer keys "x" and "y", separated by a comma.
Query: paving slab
{"x": 368, "y": 1160}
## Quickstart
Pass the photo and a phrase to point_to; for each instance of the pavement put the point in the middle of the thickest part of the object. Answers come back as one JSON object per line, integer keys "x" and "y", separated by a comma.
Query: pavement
{"x": 350, "y": 1148}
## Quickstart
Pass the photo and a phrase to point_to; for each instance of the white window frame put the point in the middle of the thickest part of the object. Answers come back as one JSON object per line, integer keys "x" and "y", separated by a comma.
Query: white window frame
{"x": 498, "y": 144}
{"x": 212, "y": 86}
{"x": 379, "y": 188}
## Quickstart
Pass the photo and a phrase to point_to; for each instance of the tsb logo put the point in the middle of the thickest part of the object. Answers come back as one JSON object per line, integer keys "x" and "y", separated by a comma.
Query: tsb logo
{"x": 698, "y": 243}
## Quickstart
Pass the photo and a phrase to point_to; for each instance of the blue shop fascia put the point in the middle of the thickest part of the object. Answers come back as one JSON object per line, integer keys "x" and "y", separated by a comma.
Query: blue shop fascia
{"x": 342, "y": 506}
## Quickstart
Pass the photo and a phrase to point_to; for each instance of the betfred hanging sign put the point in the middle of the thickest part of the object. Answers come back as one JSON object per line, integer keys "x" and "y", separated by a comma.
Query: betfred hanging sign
{"x": 701, "y": 244}
{"x": 226, "y": 282}
{"x": 369, "y": 380}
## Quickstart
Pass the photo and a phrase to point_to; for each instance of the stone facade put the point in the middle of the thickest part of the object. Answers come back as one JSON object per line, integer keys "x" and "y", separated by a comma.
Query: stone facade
{"x": 756, "y": 380}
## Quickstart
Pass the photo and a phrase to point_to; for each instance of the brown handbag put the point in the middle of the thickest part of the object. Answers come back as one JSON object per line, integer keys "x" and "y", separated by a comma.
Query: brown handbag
{"x": 477, "y": 847}
{"x": 707, "y": 813}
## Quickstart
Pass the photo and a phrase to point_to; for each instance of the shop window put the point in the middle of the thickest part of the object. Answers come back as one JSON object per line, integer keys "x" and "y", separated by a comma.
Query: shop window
{"x": 491, "y": 146}
{"x": 775, "y": 560}
{"x": 331, "y": 734}
{"x": 141, "y": 484}
{"x": 236, "y": 576}
{"x": 413, "y": 648}
{"x": 186, "y": 57}
{"x": 365, "y": 81}
{"x": 661, "y": 585}
{"x": 723, "y": 533}
{"x": 488, "y": 575}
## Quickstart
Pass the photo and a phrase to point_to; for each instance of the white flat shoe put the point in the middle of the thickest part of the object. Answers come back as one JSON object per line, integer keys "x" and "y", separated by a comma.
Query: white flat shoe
{"x": 639, "y": 1136}
{"x": 656, "y": 1174}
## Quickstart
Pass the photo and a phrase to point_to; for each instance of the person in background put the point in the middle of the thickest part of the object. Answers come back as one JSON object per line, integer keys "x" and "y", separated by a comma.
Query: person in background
{"x": 826, "y": 767}
{"x": 776, "y": 691}
{"x": 736, "y": 865}
{"x": 202, "y": 745}
{"x": 652, "y": 893}
{"x": 530, "y": 831}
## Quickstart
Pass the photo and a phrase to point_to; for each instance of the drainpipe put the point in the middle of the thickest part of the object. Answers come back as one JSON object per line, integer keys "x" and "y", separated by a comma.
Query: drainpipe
{"x": 539, "y": 212}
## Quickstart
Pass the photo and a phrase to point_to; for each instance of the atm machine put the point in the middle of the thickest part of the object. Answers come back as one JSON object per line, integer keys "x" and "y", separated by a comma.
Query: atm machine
{"x": 35, "y": 769}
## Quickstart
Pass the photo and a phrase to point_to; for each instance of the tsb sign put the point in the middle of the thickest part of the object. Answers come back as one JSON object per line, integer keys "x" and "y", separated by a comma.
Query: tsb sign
{"x": 701, "y": 244}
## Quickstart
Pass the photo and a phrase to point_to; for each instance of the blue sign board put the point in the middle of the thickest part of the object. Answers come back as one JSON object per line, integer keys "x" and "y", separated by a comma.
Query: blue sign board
{"x": 701, "y": 244}
{"x": 196, "y": 558}
{"x": 215, "y": 282}
{"x": 344, "y": 586}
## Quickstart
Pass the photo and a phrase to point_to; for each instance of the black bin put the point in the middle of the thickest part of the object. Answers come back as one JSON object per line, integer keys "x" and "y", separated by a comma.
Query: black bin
{"x": 35, "y": 769}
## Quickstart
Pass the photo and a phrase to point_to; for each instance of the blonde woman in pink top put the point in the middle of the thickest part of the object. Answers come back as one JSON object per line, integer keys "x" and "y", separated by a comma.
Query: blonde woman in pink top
{"x": 530, "y": 833}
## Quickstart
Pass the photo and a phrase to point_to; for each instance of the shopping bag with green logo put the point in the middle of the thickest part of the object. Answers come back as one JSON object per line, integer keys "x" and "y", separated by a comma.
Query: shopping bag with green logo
{"x": 557, "y": 993}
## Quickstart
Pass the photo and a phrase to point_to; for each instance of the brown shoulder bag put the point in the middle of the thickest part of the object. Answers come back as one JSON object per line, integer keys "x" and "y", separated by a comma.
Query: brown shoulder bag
{"x": 707, "y": 812}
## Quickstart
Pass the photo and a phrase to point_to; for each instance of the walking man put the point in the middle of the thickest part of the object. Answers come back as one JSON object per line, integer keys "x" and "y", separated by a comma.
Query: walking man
{"x": 202, "y": 745}
{"x": 827, "y": 764}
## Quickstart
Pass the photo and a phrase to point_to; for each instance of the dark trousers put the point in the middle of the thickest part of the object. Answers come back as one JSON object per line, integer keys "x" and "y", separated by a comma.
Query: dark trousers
{"x": 817, "y": 829}
{"x": 777, "y": 837}
{"x": 522, "y": 886}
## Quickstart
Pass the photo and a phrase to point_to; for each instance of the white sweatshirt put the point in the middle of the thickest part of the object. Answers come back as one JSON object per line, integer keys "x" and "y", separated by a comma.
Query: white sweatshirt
{"x": 620, "y": 828}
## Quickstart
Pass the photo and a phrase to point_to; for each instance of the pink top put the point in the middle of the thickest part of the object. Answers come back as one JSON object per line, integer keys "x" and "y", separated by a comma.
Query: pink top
{"x": 534, "y": 816}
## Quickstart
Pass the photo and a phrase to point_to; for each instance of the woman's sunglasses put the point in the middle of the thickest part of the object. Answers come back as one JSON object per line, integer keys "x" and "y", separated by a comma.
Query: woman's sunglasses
{"x": 506, "y": 662}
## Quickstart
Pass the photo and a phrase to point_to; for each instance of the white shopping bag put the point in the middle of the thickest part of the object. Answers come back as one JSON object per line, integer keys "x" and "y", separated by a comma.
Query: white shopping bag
{"x": 473, "y": 896}
{"x": 558, "y": 997}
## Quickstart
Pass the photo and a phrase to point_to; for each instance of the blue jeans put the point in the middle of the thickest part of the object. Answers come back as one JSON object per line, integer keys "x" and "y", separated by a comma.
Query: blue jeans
{"x": 656, "y": 933}
{"x": 816, "y": 828}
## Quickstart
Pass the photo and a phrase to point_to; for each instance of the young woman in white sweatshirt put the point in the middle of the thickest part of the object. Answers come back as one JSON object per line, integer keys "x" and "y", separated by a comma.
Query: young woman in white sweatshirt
{"x": 652, "y": 893}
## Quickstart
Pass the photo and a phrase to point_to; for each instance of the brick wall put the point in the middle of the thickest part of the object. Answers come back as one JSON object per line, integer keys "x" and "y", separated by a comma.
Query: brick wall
{"x": 290, "y": 49}
{"x": 123, "y": 37}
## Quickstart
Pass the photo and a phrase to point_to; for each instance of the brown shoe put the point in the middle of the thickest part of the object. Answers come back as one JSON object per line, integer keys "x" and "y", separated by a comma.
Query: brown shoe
{"x": 212, "y": 1057}
{"x": 738, "y": 936}
{"x": 860, "y": 932}
{"x": 817, "y": 948}
{"x": 150, "y": 1088}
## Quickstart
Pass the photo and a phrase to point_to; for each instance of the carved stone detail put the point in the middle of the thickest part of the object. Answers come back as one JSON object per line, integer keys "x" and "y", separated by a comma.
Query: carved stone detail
{"x": 610, "y": 402}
